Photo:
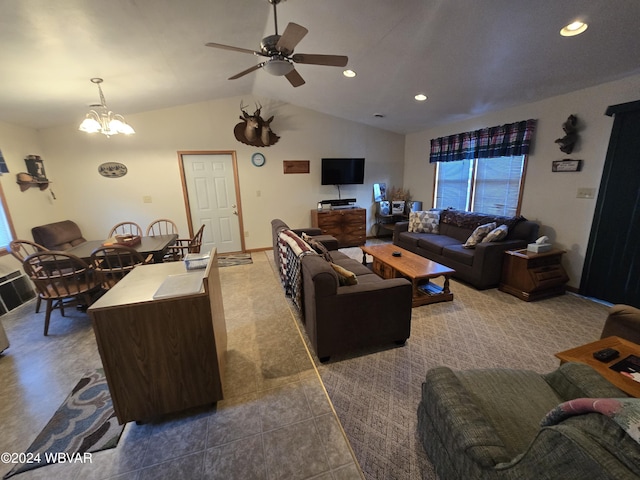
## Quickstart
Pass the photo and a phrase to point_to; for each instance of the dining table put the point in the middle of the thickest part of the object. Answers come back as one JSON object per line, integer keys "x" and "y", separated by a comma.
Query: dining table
{"x": 156, "y": 246}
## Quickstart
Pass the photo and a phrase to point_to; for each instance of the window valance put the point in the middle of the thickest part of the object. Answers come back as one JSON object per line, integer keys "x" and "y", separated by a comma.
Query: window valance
{"x": 501, "y": 141}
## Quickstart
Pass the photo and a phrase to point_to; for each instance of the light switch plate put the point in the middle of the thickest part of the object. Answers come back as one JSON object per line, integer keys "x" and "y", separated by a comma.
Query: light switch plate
{"x": 584, "y": 192}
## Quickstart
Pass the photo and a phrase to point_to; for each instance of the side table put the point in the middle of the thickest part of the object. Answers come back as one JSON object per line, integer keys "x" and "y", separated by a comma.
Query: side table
{"x": 532, "y": 276}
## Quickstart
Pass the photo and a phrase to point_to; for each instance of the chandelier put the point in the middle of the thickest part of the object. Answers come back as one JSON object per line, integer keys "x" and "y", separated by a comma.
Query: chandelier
{"x": 104, "y": 120}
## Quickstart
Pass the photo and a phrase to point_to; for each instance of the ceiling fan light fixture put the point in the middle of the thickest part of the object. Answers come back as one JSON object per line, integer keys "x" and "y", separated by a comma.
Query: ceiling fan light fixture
{"x": 103, "y": 120}
{"x": 349, "y": 73}
{"x": 573, "y": 29}
{"x": 278, "y": 66}
{"x": 421, "y": 97}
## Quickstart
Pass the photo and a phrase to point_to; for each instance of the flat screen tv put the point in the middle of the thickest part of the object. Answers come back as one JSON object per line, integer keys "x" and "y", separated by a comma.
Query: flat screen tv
{"x": 342, "y": 171}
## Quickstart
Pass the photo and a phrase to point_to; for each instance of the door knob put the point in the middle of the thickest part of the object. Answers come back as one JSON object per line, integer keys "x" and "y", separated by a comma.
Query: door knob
{"x": 235, "y": 212}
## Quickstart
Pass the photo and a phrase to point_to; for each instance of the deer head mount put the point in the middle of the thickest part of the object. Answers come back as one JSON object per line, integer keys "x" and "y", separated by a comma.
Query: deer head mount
{"x": 253, "y": 130}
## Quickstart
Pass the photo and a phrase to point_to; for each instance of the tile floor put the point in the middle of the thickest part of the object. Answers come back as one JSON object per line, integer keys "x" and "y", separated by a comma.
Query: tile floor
{"x": 276, "y": 420}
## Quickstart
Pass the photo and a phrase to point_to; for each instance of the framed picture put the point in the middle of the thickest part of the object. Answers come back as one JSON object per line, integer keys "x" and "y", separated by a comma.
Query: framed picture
{"x": 379, "y": 192}
{"x": 35, "y": 167}
{"x": 566, "y": 165}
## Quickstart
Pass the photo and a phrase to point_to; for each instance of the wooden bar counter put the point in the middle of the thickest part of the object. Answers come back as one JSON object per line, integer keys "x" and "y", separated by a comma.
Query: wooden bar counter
{"x": 162, "y": 355}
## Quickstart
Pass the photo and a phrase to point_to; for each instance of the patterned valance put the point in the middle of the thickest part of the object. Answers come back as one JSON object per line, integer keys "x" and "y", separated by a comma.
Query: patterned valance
{"x": 502, "y": 141}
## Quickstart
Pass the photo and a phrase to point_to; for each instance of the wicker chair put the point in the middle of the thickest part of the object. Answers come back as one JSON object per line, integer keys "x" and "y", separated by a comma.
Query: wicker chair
{"x": 186, "y": 245}
{"x": 126, "y": 228}
{"x": 162, "y": 226}
{"x": 61, "y": 278}
{"x": 114, "y": 262}
{"x": 21, "y": 249}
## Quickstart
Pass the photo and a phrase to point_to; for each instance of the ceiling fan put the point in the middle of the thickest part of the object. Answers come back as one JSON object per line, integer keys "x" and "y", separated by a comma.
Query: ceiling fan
{"x": 279, "y": 52}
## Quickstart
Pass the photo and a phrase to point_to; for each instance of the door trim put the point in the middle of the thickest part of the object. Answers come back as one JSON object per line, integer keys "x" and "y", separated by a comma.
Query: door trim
{"x": 236, "y": 181}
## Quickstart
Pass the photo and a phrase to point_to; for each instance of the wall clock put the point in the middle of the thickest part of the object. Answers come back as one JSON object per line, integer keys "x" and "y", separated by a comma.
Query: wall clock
{"x": 258, "y": 159}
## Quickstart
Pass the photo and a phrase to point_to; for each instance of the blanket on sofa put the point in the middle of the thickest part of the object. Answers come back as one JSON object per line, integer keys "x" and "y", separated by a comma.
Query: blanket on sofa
{"x": 472, "y": 220}
{"x": 624, "y": 411}
{"x": 290, "y": 249}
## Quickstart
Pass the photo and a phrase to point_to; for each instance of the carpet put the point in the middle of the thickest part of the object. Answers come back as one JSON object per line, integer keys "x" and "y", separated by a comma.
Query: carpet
{"x": 232, "y": 259}
{"x": 84, "y": 423}
{"x": 376, "y": 392}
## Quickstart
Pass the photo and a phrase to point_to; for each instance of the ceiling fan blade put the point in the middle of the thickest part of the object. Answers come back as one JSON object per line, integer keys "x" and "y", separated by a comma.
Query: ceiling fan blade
{"x": 248, "y": 70}
{"x": 294, "y": 78}
{"x": 235, "y": 49}
{"x": 290, "y": 38}
{"x": 329, "y": 60}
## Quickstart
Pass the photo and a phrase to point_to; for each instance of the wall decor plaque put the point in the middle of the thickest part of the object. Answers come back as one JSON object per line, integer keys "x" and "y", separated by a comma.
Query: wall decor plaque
{"x": 566, "y": 165}
{"x": 112, "y": 169}
{"x": 295, "y": 166}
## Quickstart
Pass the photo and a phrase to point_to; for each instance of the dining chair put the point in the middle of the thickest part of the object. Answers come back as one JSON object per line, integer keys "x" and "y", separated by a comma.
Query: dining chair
{"x": 162, "y": 226}
{"x": 61, "y": 279}
{"x": 178, "y": 250}
{"x": 112, "y": 263}
{"x": 125, "y": 228}
{"x": 21, "y": 249}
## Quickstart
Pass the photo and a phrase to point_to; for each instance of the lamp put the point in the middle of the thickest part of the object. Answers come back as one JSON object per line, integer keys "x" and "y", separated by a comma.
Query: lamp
{"x": 104, "y": 120}
{"x": 278, "y": 66}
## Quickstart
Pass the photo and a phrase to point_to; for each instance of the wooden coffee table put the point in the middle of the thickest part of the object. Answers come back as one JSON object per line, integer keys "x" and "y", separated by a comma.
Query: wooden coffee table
{"x": 584, "y": 354}
{"x": 418, "y": 269}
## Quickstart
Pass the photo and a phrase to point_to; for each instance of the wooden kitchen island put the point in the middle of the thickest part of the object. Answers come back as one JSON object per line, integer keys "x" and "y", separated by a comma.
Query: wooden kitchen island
{"x": 162, "y": 348}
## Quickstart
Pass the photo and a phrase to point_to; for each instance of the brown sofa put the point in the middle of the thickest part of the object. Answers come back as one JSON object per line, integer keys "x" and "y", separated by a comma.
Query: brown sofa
{"x": 58, "y": 236}
{"x": 480, "y": 266}
{"x": 341, "y": 319}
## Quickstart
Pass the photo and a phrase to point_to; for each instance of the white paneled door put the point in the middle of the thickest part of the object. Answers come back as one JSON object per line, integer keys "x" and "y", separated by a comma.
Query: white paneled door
{"x": 213, "y": 200}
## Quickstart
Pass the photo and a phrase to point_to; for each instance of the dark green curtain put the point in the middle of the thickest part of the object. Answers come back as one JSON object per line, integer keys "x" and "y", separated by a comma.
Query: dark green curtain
{"x": 611, "y": 269}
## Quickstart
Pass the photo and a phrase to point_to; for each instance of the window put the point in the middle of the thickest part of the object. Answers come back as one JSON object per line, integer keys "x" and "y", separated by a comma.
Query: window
{"x": 6, "y": 227}
{"x": 484, "y": 185}
{"x": 482, "y": 170}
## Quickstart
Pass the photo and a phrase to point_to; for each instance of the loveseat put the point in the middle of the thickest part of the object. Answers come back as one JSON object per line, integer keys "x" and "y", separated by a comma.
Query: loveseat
{"x": 441, "y": 235}
{"x": 341, "y": 318}
{"x": 58, "y": 235}
{"x": 514, "y": 424}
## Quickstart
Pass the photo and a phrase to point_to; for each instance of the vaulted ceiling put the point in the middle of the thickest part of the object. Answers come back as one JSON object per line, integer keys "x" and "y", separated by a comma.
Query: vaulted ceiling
{"x": 468, "y": 56}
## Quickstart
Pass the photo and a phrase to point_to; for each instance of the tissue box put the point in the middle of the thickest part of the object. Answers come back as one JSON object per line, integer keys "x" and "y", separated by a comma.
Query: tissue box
{"x": 538, "y": 247}
{"x": 194, "y": 261}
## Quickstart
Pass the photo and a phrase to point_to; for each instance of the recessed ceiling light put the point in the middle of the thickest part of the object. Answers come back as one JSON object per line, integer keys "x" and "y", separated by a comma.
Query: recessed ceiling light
{"x": 349, "y": 73}
{"x": 575, "y": 28}
{"x": 421, "y": 97}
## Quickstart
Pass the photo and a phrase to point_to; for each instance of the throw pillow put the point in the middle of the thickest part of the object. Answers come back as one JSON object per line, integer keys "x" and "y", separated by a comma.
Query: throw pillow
{"x": 496, "y": 234}
{"x": 321, "y": 249}
{"x": 478, "y": 234}
{"x": 345, "y": 277}
{"x": 424, "y": 221}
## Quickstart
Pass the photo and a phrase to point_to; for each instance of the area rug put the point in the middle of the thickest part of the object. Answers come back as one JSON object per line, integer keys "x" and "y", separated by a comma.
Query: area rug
{"x": 375, "y": 392}
{"x": 84, "y": 423}
{"x": 232, "y": 259}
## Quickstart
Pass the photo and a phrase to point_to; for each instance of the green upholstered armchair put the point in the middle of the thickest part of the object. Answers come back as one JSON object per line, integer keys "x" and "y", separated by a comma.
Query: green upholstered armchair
{"x": 485, "y": 424}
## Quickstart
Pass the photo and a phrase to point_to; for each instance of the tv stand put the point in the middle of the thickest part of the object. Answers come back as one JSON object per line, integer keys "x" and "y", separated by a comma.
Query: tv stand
{"x": 347, "y": 225}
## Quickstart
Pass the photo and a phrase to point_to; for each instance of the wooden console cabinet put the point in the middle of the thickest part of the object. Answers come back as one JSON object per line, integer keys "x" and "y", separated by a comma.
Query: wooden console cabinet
{"x": 161, "y": 355}
{"x": 348, "y": 225}
{"x": 532, "y": 276}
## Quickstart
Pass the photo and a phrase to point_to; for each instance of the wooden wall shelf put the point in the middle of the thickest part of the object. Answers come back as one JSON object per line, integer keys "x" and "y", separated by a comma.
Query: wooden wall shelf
{"x": 27, "y": 181}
